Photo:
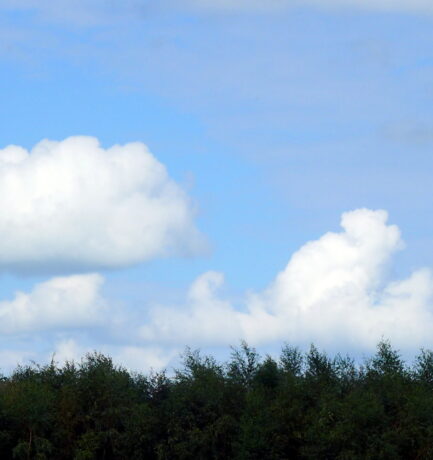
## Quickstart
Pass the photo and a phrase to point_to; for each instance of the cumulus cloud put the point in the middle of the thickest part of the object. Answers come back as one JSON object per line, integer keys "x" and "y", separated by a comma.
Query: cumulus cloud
{"x": 75, "y": 205}
{"x": 332, "y": 292}
{"x": 63, "y": 302}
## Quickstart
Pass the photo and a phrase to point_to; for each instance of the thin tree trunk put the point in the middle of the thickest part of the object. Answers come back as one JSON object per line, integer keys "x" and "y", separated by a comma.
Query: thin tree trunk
{"x": 30, "y": 444}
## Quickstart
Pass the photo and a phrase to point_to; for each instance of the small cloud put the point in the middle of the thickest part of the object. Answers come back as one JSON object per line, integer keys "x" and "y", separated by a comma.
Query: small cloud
{"x": 77, "y": 206}
{"x": 68, "y": 351}
{"x": 136, "y": 358}
{"x": 60, "y": 303}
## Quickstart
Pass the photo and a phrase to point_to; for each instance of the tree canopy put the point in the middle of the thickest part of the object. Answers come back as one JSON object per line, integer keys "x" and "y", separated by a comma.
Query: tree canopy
{"x": 302, "y": 405}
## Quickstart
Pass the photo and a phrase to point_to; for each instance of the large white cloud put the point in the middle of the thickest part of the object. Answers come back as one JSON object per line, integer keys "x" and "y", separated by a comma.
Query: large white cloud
{"x": 332, "y": 292}
{"x": 74, "y": 205}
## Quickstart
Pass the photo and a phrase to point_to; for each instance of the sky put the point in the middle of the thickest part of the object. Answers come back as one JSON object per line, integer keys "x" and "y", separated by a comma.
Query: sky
{"x": 199, "y": 172}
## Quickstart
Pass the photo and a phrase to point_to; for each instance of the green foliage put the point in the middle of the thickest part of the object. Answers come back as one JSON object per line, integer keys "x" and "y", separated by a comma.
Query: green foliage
{"x": 292, "y": 360}
{"x": 243, "y": 364}
{"x": 424, "y": 367}
{"x": 302, "y": 406}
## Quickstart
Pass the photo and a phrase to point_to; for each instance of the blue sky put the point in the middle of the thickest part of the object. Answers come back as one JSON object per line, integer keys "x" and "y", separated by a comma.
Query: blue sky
{"x": 272, "y": 123}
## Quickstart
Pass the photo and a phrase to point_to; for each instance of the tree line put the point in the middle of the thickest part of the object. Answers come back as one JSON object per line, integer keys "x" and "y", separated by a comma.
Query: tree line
{"x": 300, "y": 406}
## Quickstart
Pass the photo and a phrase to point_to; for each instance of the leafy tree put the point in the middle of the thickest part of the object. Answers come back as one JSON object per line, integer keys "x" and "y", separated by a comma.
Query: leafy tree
{"x": 243, "y": 364}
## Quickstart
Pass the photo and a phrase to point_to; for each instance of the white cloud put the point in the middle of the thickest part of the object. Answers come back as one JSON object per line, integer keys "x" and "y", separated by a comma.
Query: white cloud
{"x": 67, "y": 351}
{"x": 332, "y": 292}
{"x": 59, "y": 303}
{"x": 137, "y": 358}
{"x": 74, "y": 319}
{"x": 208, "y": 319}
{"x": 74, "y": 205}
{"x": 134, "y": 358}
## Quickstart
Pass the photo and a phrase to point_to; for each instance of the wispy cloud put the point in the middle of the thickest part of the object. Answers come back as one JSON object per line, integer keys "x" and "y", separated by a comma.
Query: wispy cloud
{"x": 91, "y": 13}
{"x": 275, "y": 5}
{"x": 78, "y": 12}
